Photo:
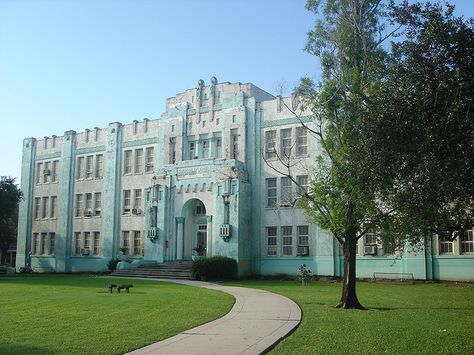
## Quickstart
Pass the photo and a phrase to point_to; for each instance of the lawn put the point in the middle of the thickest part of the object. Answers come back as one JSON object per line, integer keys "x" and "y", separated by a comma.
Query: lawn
{"x": 75, "y": 314}
{"x": 402, "y": 319}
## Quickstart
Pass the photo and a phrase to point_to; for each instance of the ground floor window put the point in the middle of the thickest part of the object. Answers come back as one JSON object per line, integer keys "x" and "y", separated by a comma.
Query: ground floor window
{"x": 84, "y": 245}
{"x": 445, "y": 245}
{"x": 137, "y": 243}
{"x": 35, "y": 246}
{"x": 271, "y": 241}
{"x": 287, "y": 238}
{"x": 97, "y": 250}
{"x": 467, "y": 242}
{"x": 287, "y": 243}
{"x": 52, "y": 243}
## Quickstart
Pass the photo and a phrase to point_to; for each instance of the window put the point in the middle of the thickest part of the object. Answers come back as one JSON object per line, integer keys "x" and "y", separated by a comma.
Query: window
{"x": 77, "y": 243}
{"x": 89, "y": 166}
{"x": 80, "y": 168}
{"x": 52, "y": 243}
{"x": 88, "y": 205}
{"x": 234, "y": 119}
{"x": 138, "y": 161}
{"x": 271, "y": 241}
{"x": 54, "y": 171}
{"x": 138, "y": 199}
{"x": 87, "y": 240}
{"x": 126, "y": 201}
{"x": 78, "y": 205}
{"x": 271, "y": 192}
{"x": 235, "y": 144}
{"x": 46, "y": 172}
{"x": 192, "y": 150}
{"x": 97, "y": 203}
{"x": 301, "y": 141}
{"x": 127, "y": 162}
{"x": 37, "y": 207}
{"x": 467, "y": 242}
{"x": 97, "y": 250}
{"x": 44, "y": 207}
{"x": 270, "y": 144}
{"x": 200, "y": 209}
{"x": 126, "y": 240}
{"x": 218, "y": 148}
{"x": 445, "y": 245}
{"x": 35, "y": 248}
{"x": 286, "y": 192}
{"x": 302, "y": 181}
{"x": 52, "y": 207}
{"x": 287, "y": 240}
{"x": 44, "y": 243}
{"x": 285, "y": 136}
{"x": 99, "y": 166}
{"x": 137, "y": 243}
{"x": 150, "y": 156}
{"x": 370, "y": 239}
{"x": 303, "y": 235}
{"x": 39, "y": 172}
{"x": 205, "y": 149}
{"x": 172, "y": 151}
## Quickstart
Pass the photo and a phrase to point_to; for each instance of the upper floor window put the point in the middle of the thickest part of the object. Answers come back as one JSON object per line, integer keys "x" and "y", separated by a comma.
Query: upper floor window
{"x": 192, "y": 150}
{"x": 78, "y": 208}
{"x": 138, "y": 161}
{"x": 39, "y": 172}
{"x": 200, "y": 209}
{"x": 270, "y": 144}
{"x": 302, "y": 181}
{"x": 80, "y": 168}
{"x": 54, "y": 171}
{"x": 46, "y": 172}
{"x": 89, "y": 166}
{"x": 205, "y": 149}
{"x": 150, "y": 156}
{"x": 172, "y": 151}
{"x": 52, "y": 207}
{"x": 127, "y": 162}
{"x": 99, "y": 166}
{"x": 37, "y": 207}
{"x": 286, "y": 192}
{"x": 271, "y": 240}
{"x": 218, "y": 148}
{"x": 127, "y": 194}
{"x": 97, "y": 203}
{"x": 285, "y": 137}
{"x": 301, "y": 141}
{"x": 271, "y": 185}
{"x": 234, "y": 137}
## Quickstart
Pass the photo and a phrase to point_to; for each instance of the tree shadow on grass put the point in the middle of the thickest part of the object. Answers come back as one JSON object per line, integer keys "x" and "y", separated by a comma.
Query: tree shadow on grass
{"x": 385, "y": 309}
{"x": 24, "y": 349}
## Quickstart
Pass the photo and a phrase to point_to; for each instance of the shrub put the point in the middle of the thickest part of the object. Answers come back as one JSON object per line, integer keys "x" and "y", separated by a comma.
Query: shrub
{"x": 214, "y": 268}
{"x": 112, "y": 264}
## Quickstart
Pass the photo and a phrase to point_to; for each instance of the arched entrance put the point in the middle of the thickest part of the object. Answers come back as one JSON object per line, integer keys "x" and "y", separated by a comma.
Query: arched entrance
{"x": 194, "y": 230}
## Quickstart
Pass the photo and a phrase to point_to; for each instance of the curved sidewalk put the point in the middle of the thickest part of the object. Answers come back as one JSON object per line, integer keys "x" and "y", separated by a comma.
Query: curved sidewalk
{"x": 258, "y": 320}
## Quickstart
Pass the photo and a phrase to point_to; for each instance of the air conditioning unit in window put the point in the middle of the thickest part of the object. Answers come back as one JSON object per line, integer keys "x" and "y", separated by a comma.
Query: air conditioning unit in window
{"x": 136, "y": 211}
{"x": 303, "y": 250}
{"x": 224, "y": 231}
{"x": 87, "y": 213}
{"x": 46, "y": 172}
{"x": 370, "y": 250}
{"x": 86, "y": 251}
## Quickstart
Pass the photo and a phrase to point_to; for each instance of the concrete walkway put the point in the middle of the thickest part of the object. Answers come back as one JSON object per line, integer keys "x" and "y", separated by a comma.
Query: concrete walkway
{"x": 257, "y": 321}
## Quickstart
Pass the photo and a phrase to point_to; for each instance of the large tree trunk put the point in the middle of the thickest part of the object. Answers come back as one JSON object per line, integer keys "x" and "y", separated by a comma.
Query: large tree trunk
{"x": 349, "y": 295}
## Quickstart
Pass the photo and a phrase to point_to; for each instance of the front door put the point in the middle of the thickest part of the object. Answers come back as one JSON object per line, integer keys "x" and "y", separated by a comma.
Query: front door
{"x": 201, "y": 243}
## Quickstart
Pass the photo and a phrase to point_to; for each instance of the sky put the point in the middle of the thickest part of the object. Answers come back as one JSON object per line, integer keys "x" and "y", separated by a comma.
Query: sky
{"x": 77, "y": 64}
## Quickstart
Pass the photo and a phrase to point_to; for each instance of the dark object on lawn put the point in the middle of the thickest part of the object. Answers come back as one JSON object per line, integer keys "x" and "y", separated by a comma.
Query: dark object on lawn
{"x": 111, "y": 287}
{"x": 124, "y": 287}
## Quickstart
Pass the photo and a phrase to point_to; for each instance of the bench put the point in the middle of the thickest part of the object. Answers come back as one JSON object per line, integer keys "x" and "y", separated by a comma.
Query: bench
{"x": 111, "y": 287}
{"x": 124, "y": 287}
{"x": 400, "y": 276}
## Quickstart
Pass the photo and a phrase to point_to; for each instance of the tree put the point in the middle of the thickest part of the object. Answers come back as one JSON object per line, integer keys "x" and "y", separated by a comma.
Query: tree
{"x": 10, "y": 196}
{"x": 423, "y": 127}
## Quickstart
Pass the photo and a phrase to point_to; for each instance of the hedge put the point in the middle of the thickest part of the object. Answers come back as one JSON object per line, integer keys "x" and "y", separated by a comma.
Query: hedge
{"x": 214, "y": 268}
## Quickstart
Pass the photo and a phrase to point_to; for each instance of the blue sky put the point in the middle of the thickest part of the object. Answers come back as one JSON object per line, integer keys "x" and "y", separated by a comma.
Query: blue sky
{"x": 67, "y": 64}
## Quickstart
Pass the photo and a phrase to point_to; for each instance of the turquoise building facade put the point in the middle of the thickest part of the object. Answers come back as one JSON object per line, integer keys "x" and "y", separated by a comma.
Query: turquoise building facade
{"x": 202, "y": 179}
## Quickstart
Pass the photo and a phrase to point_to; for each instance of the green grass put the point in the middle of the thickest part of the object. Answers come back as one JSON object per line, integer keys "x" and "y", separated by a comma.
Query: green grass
{"x": 402, "y": 319}
{"x": 75, "y": 314}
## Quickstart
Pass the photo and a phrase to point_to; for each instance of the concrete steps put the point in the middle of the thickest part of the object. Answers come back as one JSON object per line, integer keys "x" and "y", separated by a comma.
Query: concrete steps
{"x": 168, "y": 270}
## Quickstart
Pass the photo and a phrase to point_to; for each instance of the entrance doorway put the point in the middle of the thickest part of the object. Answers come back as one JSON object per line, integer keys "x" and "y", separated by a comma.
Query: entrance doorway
{"x": 193, "y": 234}
{"x": 201, "y": 240}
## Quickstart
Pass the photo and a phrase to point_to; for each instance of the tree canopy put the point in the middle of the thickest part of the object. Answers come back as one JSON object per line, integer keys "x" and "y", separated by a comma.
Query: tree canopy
{"x": 10, "y": 196}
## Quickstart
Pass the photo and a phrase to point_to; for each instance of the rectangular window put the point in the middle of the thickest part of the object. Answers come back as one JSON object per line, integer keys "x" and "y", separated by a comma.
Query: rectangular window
{"x": 87, "y": 240}
{"x": 46, "y": 172}
{"x": 35, "y": 248}
{"x": 126, "y": 240}
{"x": 89, "y": 166}
{"x": 54, "y": 171}
{"x": 88, "y": 205}
{"x": 303, "y": 235}
{"x": 302, "y": 181}
{"x": 80, "y": 168}
{"x": 78, "y": 210}
{"x": 370, "y": 239}
{"x": 137, "y": 203}
{"x": 218, "y": 148}
{"x": 99, "y": 166}
{"x": 97, "y": 250}
{"x": 286, "y": 192}
{"x": 37, "y": 207}
{"x": 271, "y": 241}
{"x": 234, "y": 137}
{"x": 97, "y": 203}
{"x": 126, "y": 201}
{"x": 192, "y": 150}
{"x": 467, "y": 242}
{"x": 285, "y": 139}
{"x": 205, "y": 149}
{"x": 52, "y": 243}
{"x": 271, "y": 192}
{"x": 301, "y": 141}
{"x": 77, "y": 243}
{"x": 137, "y": 243}
{"x": 445, "y": 246}
{"x": 172, "y": 151}
{"x": 150, "y": 157}
{"x": 138, "y": 161}
{"x": 44, "y": 207}
{"x": 270, "y": 144}
{"x": 44, "y": 243}
{"x": 52, "y": 207}
{"x": 127, "y": 162}
{"x": 287, "y": 240}
{"x": 39, "y": 172}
